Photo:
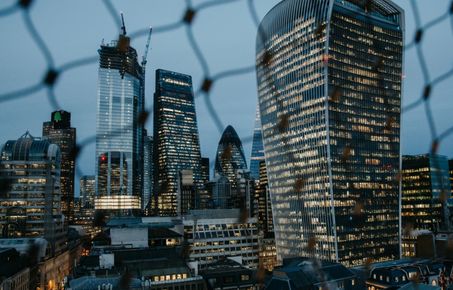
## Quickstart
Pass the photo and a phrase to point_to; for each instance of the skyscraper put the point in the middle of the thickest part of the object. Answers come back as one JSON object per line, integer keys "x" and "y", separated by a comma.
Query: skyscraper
{"x": 59, "y": 131}
{"x": 257, "y": 148}
{"x": 119, "y": 137}
{"x": 329, "y": 76}
{"x": 31, "y": 205}
{"x": 229, "y": 156}
{"x": 176, "y": 141}
{"x": 148, "y": 173}
{"x": 205, "y": 197}
{"x": 87, "y": 190}
{"x": 425, "y": 189}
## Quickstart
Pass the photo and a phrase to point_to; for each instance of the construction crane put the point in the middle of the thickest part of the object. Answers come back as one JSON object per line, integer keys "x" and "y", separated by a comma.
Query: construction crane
{"x": 147, "y": 47}
{"x": 123, "y": 27}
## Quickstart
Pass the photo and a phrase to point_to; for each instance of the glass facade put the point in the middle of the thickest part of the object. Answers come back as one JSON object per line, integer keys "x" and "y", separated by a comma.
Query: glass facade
{"x": 230, "y": 156}
{"x": 263, "y": 208}
{"x": 118, "y": 134}
{"x": 87, "y": 190}
{"x": 257, "y": 148}
{"x": 176, "y": 141}
{"x": 31, "y": 206}
{"x": 59, "y": 131}
{"x": 425, "y": 178}
{"x": 329, "y": 82}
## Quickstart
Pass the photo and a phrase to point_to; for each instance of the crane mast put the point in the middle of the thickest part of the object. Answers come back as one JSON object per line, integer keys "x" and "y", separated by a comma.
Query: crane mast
{"x": 147, "y": 47}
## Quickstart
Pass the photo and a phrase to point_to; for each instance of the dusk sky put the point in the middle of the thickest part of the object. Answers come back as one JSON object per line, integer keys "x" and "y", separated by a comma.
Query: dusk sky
{"x": 226, "y": 35}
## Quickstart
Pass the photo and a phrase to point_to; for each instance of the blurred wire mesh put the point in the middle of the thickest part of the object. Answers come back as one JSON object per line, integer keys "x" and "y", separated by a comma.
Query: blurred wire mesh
{"x": 52, "y": 75}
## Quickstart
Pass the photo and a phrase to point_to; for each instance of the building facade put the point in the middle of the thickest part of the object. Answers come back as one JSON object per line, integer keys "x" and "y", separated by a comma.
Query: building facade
{"x": 59, "y": 131}
{"x": 148, "y": 173}
{"x": 425, "y": 179}
{"x": 119, "y": 136}
{"x": 205, "y": 196}
{"x": 176, "y": 141}
{"x": 216, "y": 234}
{"x": 31, "y": 206}
{"x": 220, "y": 189}
{"x": 263, "y": 207}
{"x": 87, "y": 190}
{"x": 257, "y": 147}
{"x": 329, "y": 79}
{"x": 229, "y": 156}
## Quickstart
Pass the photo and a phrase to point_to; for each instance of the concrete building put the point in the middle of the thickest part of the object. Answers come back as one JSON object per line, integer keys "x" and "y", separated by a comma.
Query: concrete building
{"x": 215, "y": 234}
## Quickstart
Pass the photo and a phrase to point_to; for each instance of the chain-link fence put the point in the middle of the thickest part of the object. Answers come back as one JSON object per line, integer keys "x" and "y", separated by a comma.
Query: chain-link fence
{"x": 50, "y": 78}
{"x": 428, "y": 67}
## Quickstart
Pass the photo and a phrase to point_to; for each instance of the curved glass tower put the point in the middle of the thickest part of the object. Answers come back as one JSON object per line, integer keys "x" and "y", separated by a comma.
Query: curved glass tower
{"x": 329, "y": 78}
{"x": 230, "y": 155}
{"x": 257, "y": 148}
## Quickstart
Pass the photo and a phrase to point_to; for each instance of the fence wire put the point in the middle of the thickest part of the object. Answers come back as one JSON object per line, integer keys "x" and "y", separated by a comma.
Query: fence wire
{"x": 50, "y": 78}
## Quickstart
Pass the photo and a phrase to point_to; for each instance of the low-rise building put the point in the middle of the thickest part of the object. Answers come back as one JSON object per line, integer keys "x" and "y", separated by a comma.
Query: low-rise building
{"x": 215, "y": 234}
{"x": 229, "y": 274}
{"x": 306, "y": 274}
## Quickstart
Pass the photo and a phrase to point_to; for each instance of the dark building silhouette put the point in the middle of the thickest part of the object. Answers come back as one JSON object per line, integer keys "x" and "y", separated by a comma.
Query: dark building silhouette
{"x": 176, "y": 141}
{"x": 148, "y": 174}
{"x": 329, "y": 77}
{"x": 59, "y": 131}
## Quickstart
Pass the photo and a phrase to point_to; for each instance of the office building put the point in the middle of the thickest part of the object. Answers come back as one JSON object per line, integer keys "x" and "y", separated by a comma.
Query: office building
{"x": 59, "y": 131}
{"x": 31, "y": 206}
{"x": 176, "y": 142}
{"x": 425, "y": 178}
{"x": 87, "y": 190}
{"x": 205, "y": 196}
{"x": 220, "y": 189}
{"x": 148, "y": 173}
{"x": 205, "y": 170}
{"x": 257, "y": 148}
{"x": 229, "y": 156}
{"x": 263, "y": 209}
{"x": 329, "y": 76}
{"x": 215, "y": 234}
{"x": 187, "y": 198}
{"x": 244, "y": 195}
{"x": 119, "y": 137}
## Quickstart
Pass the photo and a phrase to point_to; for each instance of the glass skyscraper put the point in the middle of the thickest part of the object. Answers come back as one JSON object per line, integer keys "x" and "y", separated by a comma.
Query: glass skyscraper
{"x": 59, "y": 131}
{"x": 329, "y": 76}
{"x": 176, "y": 141}
{"x": 425, "y": 185}
{"x": 119, "y": 137}
{"x": 257, "y": 148}
{"x": 229, "y": 156}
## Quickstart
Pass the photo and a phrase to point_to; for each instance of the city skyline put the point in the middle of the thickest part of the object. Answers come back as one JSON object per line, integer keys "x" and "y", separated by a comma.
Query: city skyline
{"x": 249, "y": 144}
{"x": 242, "y": 120}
